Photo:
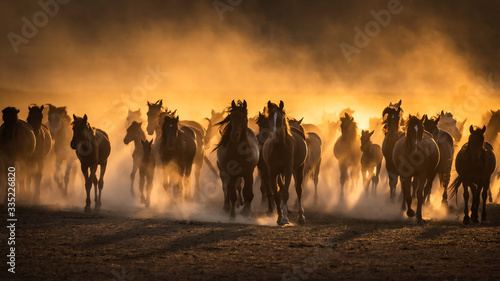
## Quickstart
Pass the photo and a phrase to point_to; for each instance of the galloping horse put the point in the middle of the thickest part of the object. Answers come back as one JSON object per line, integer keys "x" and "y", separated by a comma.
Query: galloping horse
{"x": 392, "y": 133}
{"x": 237, "y": 156}
{"x": 347, "y": 152}
{"x": 285, "y": 153}
{"x": 474, "y": 163}
{"x": 137, "y": 135}
{"x": 371, "y": 159}
{"x": 17, "y": 144}
{"x": 177, "y": 153}
{"x": 415, "y": 155}
{"x": 446, "y": 152}
{"x": 146, "y": 172}
{"x": 43, "y": 145}
{"x": 60, "y": 130}
{"x": 314, "y": 149}
{"x": 92, "y": 148}
{"x": 262, "y": 169}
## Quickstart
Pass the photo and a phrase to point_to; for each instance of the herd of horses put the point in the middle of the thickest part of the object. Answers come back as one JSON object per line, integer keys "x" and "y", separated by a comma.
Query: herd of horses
{"x": 273, "y": 144}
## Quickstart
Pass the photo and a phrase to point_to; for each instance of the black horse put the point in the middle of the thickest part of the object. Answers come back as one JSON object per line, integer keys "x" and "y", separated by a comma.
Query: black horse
{"x": 137, "y": 135}
{"x": 237, "y": 156}
{"x": 392, "y": 115}
{"x": 444, "y": 141}
{"x": 371, "y": 159}
{"x": 347, "y": 152}
{"x": 43, "y": 145}
{"x": 314, "y": 149}
{"x": 475, "y": 164}
{"x": 92, "y": 148}
{"x": 416, "y": 156}
{"x": 146, "y": 171}
{"x": 285, "y": 153}
{"x": 177, "y": 153}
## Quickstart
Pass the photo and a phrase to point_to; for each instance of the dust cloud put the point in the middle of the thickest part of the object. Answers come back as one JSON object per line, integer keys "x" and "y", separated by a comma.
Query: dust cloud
{"x": 104, "y": 58}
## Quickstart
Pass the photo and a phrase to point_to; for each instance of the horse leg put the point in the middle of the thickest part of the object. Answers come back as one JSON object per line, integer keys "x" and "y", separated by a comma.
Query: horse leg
{"x": 132, "y": 179}
{"x": 239, "y": 201}
{"x": 343, "y": 178}
{"x": 393, "y": 181}
{"x": 406, "y": 186}
{"x": 476, "y": 194}
{"x": 67, "y": 175}
{"x": 298, "y": 176}
{"x": 445, "y": 181}
{"x": 88, "y": 187}
{"x": 428, "y": 187}
{"x": 38, "y": 179}
{"x": 420, "y": 198}
{"x": 142, "y": 180}
{"x": 376, "y": 178}
{"x": 284, "y": 197}
{"x": 55, "y": 175}
{"x": 414, "y": 185}
{"x": 188, "y": 194}
{"x": 197, "y": 172}
{"x": 149, "y": 188}
{"x": 93, "y": 178}
{"x": 316, "y": 181}
{"x": 248, "y": 194}
{"x": 484, "y": 195}
{"x": 365, "y": 178}
{"x": 273, "y": 186}
{"x": 231, "y": 190}
{"x": 466, "y": 203}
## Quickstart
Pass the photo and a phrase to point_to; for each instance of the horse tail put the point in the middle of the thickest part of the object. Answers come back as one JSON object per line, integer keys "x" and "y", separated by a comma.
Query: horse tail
{"x": 454, "y": 188}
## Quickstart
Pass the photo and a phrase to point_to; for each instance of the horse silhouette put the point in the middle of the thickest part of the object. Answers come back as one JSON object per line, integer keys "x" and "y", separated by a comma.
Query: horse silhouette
{"x": 43, "y": 146}
{"x": 392, "y": 116}
{"x": 135, "y": 134}
{"x": 475, "y": 163}
{"x": 146, "y": 171}
{"x": 416, "y": 156}
{"x": 92, "y": 148}
{"x": 237, "y": 156}
{"x": 371, "y": 159}
{"x": 285, "y": 152}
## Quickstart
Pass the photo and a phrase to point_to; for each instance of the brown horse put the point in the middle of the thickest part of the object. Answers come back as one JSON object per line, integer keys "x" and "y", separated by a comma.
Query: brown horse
{"x": 146, "y": 171}
{"x": 392, "y": 116}
{"x": 475, "y": 164}
{"x": 92, "y": 148}
{"x": 416, "y": 156}
{"x": 43, "y": 145}
{"x": 237, "y": 156}
{"x": 285, "y": 153}
{"x": 137, "y": 135}
{"x": 347, "y": 152}
{"x": 371, "y": 159}
{"x": 17, "y": 144}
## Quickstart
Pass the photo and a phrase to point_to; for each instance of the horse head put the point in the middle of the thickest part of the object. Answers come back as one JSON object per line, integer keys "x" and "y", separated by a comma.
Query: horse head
{"x": 277, "y": 121}
{"x": 170, "y": 130}
{"x": 430, "y": 125}
{"x": 35, "y": 117}
{"x": 154, "y": 111}
{"x": 391, "y": 122}
{"x": 365, "y": 139}
{"x": 82, "y": 134}
{"x": 10, "y": 115}
{"x": 414, "y": 132}
{"x": 133, "y": 132}
{"x": 348, "y": 126}
{"x": 476, "y": 142}
{"x": 238, "y": 120}
{"x": 57, "y": 117}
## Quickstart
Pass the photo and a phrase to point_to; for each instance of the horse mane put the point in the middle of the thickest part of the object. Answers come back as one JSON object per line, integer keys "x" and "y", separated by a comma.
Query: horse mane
{"x": 412, "y": 121}
{"x": 354, "y": 129}
{"x": 226, "y": 123}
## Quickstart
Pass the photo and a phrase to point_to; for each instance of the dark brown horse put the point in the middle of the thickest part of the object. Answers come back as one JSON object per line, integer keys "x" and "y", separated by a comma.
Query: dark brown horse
{"x": 285, "y": 153}
{"x": 475, "y": 164}
{"x": 92, "y": 148}
{"x": 60, "y": 131}
{"x": 446, "y": 152}
{"x": 237, "y": 156}
{"x": 177, "y": 150}
{"x": 137, "y": 135}
{"x": 263, "y": 171}
{"x": 17, "y": 144}
{"x": 43, "y": 145}
{"x": 146, "y": 171}
{"x": 371, "y": 160}
{"x": 347, "y": 152}
{"x": 392, "y": 116}
{"x": 314, "y": 149}
{"x": 416, "y": 156}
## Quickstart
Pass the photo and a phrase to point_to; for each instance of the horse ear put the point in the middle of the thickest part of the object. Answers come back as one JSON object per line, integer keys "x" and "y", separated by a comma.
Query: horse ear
{"x": 129, "y": 111}
{"x": 149, "y": 104}
{"x": 233, "y": 104}
{"x": 425, "y": 118}
{"x": 484, "y": 129}
{"x": 244, "y": 103}
{"x": 492, "y": 112}
{"x": 212, "y": 113}
{"x": 85, "y": 117}
{"x": 140, "y": 123}
{"x": 74, "y": 117}
{"x": 371, "y": 133}
{"x": 471, "y": 129}
{"x": 399, "y": 103}
{"x": 442, "y": 112}
{"x": 282, "y": 105}
{"x": 143, "y": 141}
{"x": 177, "y": 117}
{"x": 268, "y": 104}
{"x": 300, "y": 121}
{"x": 17, "y": 110}
{"x": 437, "y": 119}
{"x": 346, "y": 115}
{"x": 41, "y": 107}
{"x": 151, "y": 142}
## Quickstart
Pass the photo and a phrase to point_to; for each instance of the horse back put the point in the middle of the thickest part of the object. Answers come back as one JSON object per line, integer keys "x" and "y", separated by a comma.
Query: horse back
{"x": 22, "y": 143}
{"x": 299, "y": 148}
{"x": 104, "y": 145}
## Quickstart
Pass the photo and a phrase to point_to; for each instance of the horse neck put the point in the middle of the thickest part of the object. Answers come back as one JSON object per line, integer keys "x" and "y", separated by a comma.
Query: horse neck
{"x": 9, "y": 130}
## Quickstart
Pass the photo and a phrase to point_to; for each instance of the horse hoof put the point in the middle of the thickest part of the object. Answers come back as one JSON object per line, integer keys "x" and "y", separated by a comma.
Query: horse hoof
{"x": 88, "y": 209}
{"x": 302, "y": 220}
{"x": 410, "y": 213}
{"x": 283, "y": 221}
{"x": 421, "y": 222}
{"x": 466, "y": 221}
{"x": 475, "y": 221}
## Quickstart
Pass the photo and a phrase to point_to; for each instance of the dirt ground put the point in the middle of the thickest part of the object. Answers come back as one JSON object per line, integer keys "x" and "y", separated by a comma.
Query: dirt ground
{"x": 67, "y": 244}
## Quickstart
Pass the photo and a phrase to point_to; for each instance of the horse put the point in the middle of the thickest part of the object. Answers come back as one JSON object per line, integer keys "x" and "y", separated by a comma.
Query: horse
{"x": 60, "y": 131}
{"x": 371, "y": 159}
{"x": 237, "y": 156}
{"x": 134, "y": 116}
{"x": 314, "y": 149}
{"x": 137, "y": 135}
{"x": 445, "y": 144}
{"x": 415, "y": 155}
{"x": 475, "y": 163}
{"x": 17, "y": 144}
{"x": 392, "y": 116}
{"x": 493, "y": 127}
{"x": 178, "y": 148}
{"x": 146, "y": 171}
{"x": 262, "y": 169}
{"x": 448, "y": 123}
{"x": 347, "y": 152}
{"x": 43, "y": 146}
{"x": 92, "y": 148}
{"x": 285, "y": 153}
